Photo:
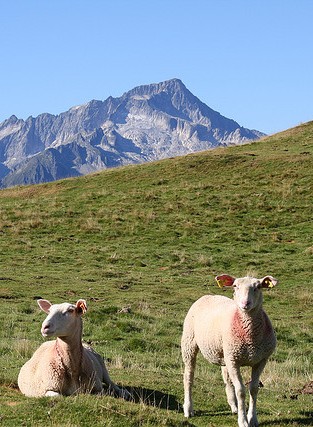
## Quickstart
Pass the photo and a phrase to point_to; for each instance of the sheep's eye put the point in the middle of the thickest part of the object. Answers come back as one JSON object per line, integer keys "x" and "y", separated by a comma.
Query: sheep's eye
{"x": 70, "y": 310}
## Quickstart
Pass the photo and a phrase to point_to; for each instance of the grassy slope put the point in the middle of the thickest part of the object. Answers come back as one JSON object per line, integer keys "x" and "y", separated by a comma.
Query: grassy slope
{"x": 153, "y": 237}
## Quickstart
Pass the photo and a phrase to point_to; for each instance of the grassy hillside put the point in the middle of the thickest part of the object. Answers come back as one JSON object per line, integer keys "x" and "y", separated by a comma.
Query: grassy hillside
{"x": 152, "y": 237}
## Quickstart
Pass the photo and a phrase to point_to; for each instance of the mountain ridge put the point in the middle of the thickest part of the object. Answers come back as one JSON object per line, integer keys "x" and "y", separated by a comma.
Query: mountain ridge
{"x": 147, "y": 123}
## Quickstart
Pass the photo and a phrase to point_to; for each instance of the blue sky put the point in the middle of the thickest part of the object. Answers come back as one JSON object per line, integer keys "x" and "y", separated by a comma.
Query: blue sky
{"x": 250, "y": 60}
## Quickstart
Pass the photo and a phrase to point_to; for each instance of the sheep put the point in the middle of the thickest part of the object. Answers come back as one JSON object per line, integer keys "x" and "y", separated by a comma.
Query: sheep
{"x": 230, "y": 333}
{"x": 65, "y": 366}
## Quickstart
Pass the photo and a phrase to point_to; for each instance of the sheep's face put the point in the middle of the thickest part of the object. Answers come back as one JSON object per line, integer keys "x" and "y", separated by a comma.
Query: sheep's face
{"x": 247, "y": 293}
{"x": 61, "y": 320}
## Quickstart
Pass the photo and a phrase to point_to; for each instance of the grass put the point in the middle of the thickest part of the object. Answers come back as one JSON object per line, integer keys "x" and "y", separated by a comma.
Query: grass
{"x": 152, "y": 238}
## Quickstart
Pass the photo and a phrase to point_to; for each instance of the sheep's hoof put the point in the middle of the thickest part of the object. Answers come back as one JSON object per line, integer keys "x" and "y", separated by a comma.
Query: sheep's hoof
{"x": 253, "y": 420}
{"x": 51, "y": 393}
{"x": 188, "y": 413}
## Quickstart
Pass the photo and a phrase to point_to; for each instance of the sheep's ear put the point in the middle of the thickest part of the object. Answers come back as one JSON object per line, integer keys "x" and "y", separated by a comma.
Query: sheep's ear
{"x": 268, "y": 282}
{"x": 81, "y": 306}
{"x": 44, "y": 305}
{"x": 225, "y": 280}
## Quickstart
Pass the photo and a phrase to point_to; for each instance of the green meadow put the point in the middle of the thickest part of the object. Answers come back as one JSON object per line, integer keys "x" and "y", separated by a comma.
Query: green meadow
{"x": 151, "y": 238}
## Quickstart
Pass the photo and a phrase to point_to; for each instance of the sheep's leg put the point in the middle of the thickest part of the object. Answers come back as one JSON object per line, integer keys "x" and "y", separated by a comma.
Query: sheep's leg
{"x": 188, "y": 382}
{"x": 253, "y": 390}
{"x": 189, "y": 354}
{"x": 230, "y": 391}
{"x": 240, "y": 390}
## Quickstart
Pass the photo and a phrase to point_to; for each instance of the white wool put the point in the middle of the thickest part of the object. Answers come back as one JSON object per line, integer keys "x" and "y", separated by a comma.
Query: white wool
{"x": 65, "y": 365}
{"x": 230, "y": 333}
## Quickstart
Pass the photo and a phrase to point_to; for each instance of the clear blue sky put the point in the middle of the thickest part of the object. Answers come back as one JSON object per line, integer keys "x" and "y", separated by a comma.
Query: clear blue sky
{"x": 250, "y": 60}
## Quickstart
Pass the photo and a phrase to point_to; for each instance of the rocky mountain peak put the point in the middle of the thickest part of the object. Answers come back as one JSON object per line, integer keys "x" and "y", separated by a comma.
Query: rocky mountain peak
{"x": 147, "y": 123}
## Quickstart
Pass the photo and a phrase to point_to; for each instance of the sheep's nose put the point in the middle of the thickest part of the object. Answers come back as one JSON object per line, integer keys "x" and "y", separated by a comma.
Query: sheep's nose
{"x": 245, "y": 304}
{"x": 45, "y": 328}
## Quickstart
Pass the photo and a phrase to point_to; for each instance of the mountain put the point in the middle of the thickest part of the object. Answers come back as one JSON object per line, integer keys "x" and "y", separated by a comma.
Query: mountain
{"x": 147, "y": 123}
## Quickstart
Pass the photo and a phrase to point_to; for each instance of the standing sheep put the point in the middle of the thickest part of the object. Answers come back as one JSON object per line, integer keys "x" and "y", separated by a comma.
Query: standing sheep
{"x": 64, "y": 366}
{"x": 230, "y": 333}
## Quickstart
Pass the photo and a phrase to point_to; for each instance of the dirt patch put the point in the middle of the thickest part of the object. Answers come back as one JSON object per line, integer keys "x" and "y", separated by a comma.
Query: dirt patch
{"x": 307, "y": 389}
{"x": 13, "y": 403}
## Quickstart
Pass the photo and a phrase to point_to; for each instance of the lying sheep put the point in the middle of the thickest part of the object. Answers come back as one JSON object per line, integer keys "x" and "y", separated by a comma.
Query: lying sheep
{"x": 64, "y": 366}
{"x": 230, "y": 333}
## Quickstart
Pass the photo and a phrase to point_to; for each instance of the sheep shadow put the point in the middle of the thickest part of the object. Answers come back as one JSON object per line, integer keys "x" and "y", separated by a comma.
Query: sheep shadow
{"x": 154, "y": 398}
{"x": 307, "y": 421}
{"x": 141, "y": 395}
